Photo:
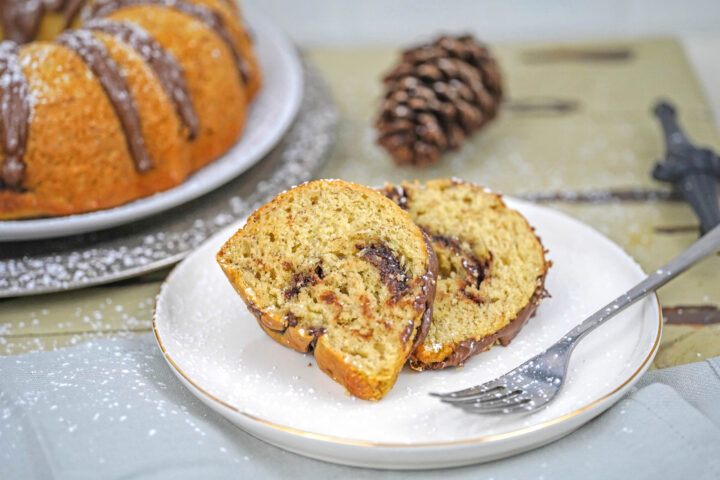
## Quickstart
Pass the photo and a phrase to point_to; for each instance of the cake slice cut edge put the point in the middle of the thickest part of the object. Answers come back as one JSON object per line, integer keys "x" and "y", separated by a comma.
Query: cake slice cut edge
{"x": 337, "y": 269}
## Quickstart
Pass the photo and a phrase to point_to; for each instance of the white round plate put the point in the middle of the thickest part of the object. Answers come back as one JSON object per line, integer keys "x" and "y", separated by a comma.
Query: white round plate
{"x": 270, "y": 115}
{"x": 216, "y": 348}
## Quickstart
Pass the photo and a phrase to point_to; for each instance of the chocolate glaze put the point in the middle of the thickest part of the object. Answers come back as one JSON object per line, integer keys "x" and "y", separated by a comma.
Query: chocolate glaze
{"x": 15, "y": 110}
{"x": 21, "y": 19}
{"x": 468, "y": 348}
{"x": 94, "y": 54}
{"x": 206, "y": 15}
{"x": 70, "y": 8}
{"x": 166, "y": 68}
{"x": 19, "y": 22}
{"x": 392, "y": 273}
{"x": 257, "y": 312}
{"x": 427, "y": 298}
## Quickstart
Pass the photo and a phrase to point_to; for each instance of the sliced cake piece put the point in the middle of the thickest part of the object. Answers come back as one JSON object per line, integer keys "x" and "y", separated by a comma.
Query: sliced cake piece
{"x": 492, "y": 268}
{"x": 339, "y": 269}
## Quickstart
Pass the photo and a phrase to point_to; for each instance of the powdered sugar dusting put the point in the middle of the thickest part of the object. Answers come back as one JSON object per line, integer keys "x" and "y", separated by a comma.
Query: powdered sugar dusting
{"x": 110, "y": 402}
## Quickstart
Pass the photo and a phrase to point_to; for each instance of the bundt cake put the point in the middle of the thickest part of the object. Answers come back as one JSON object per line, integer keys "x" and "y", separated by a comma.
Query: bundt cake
{"x": 107, "y": 101}
{"x": 338, "y": 269}
{"x": 492, "y": 268}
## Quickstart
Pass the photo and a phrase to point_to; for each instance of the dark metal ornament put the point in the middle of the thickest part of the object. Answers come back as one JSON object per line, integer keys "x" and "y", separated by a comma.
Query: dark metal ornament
{"x": 693, "y": 171}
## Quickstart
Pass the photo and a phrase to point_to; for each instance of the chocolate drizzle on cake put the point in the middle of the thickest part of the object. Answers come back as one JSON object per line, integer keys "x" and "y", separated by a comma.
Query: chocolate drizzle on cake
{"x": 15, "y": 111}
{"x": 94, "y": 54}
{"x": 209, "y": 17}
{"x": 21, "y": 19}
{"x": 392, "y": 273}
{"x": 69, "y": 8}
{"x": 168, "y": 70}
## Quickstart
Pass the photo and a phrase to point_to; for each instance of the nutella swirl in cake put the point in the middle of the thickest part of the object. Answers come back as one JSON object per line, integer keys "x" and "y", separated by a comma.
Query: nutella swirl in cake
{"x": 392, "y": 273}
{"x": 474, "y": 268}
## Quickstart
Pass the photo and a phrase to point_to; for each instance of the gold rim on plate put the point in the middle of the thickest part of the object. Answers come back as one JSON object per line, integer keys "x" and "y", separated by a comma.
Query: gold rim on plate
{"x": 365, "y": 443}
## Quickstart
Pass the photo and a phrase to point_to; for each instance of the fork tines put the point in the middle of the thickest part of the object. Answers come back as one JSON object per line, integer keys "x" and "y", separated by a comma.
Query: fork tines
{"x": 487, "y": 398}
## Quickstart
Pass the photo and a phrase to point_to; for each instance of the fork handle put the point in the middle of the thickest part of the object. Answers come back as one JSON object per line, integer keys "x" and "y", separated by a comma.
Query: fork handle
{"x": 703, "y": 247}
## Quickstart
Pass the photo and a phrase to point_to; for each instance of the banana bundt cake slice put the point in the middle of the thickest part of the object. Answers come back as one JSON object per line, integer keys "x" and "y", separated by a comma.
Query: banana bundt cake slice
{"x": 492, "y": 269}
{"x": 338, "y": 269}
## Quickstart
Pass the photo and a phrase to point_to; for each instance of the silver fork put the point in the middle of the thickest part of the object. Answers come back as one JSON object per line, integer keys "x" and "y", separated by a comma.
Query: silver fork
{"x": 537, "y": 382}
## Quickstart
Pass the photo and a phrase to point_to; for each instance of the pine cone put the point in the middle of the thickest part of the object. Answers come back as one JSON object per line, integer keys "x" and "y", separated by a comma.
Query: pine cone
{"x": 438, "y": 94}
